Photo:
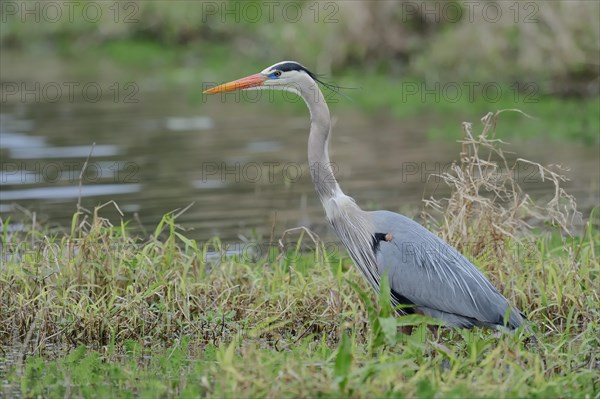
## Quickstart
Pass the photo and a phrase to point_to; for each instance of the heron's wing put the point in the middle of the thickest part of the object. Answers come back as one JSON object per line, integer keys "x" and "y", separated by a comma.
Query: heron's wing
{"x": 431, "y": 274}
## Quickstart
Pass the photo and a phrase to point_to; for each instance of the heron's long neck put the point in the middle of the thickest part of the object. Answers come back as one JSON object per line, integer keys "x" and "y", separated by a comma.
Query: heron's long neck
{"x": 351, "y": 224}
{"x": 321, "y": 169}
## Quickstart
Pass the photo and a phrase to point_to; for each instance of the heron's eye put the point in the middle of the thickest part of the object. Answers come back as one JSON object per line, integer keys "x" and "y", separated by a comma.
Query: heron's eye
{"x": 276, "y": 74}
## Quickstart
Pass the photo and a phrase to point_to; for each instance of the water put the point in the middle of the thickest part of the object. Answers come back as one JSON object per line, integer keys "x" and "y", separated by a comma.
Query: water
{"x": 243, "y": 165}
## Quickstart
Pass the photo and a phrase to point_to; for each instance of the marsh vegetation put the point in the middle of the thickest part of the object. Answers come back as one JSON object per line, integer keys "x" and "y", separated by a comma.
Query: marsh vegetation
{"x": 94, "y": 310}
{"x": 103, "y": 296}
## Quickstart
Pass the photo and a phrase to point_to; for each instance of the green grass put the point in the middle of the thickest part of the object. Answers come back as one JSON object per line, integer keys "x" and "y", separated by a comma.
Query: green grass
{"x": 95, "y": 312}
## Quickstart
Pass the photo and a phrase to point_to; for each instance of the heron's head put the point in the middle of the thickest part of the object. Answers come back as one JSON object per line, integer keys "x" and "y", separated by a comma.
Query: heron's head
{"x": 285, "y": 75}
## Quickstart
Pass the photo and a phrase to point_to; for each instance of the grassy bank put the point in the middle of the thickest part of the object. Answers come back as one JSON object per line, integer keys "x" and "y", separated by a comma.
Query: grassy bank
{"x": 96, "y": 311}
{"x": 100, "y": 313}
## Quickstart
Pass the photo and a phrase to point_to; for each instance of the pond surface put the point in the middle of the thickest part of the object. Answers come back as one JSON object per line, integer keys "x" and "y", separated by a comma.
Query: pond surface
{"x": 242, "y": 164}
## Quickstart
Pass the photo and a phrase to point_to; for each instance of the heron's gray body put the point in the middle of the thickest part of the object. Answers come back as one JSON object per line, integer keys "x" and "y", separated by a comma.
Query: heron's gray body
{"x": 436, "y": 278}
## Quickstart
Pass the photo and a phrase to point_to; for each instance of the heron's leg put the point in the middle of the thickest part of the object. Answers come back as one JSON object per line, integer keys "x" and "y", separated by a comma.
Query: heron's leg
{"x": 435, "y": 331}
{"x": 406, "y": 330}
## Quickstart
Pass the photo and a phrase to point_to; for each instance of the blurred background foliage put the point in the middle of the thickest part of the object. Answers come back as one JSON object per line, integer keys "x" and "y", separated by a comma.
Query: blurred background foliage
{"x": 404, "y": 58}
{"x": 555, "y": 43}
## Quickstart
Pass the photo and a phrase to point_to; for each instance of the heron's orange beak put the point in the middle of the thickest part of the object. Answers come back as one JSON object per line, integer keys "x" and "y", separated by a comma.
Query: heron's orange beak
{"x": 244, "y": 83}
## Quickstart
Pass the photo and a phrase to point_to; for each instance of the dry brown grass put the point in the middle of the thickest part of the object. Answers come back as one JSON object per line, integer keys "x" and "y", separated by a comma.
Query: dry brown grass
{"x": 488, "y": 207}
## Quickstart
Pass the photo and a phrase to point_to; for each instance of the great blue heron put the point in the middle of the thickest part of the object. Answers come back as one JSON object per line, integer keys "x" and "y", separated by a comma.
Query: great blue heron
{"x": 425, "y": 274}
